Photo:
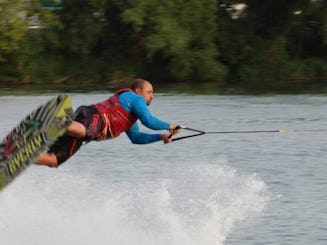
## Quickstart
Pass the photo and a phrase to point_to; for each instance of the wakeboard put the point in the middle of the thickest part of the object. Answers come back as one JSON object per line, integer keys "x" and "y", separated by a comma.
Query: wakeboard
{"x": 32, "y": 136}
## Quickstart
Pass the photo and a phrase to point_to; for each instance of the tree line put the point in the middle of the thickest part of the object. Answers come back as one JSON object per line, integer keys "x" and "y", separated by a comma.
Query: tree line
{"x": 244, "y": 42}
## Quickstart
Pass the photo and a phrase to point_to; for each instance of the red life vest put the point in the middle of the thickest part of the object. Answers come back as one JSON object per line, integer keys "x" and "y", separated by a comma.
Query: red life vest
{"x": 115, "y": 119}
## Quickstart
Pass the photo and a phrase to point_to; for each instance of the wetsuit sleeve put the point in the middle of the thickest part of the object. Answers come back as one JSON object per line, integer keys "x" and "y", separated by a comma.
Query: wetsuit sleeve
{"x": 138, "y": 137}
{"x": 140, "y": 109}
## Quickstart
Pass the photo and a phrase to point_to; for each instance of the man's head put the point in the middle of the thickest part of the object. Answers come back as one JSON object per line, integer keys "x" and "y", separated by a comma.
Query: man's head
{"x": 143, "y": 88}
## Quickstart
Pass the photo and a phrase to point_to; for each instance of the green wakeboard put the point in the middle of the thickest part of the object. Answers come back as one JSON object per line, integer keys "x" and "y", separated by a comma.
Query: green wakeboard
{"x": 32, "y": 136}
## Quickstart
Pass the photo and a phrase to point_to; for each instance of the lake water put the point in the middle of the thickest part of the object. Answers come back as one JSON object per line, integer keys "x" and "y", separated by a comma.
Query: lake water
{"x": 264, "y": 188}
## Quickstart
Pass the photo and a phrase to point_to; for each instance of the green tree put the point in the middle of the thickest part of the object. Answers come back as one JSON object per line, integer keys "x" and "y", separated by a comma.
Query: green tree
{"x": 178, "y": 35}
{"x": 82, "y": 22}
{"x": 270, "y": 40}
{"x": 13, "y": 27}
{"x": 21, "y": 25}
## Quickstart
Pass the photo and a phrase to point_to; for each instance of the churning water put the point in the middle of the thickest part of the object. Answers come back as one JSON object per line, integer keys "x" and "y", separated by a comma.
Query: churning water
{"x": 267, "y": 188}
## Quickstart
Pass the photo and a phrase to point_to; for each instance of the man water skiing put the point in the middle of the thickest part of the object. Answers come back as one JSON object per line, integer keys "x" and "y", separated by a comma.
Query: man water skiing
{"x": 107, "y": 119}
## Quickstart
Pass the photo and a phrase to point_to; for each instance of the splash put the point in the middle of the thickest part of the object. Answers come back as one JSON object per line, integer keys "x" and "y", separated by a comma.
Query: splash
{"x": 201, "y": 204}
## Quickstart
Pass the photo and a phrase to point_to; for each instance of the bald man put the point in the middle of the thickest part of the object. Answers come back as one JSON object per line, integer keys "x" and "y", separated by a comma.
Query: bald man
{"x": 108, "y": 119}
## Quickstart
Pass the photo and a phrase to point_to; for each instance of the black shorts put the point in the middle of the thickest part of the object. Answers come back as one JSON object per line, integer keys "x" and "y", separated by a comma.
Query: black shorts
{"x": 91, "y": 119}
{"x": 66, "y": 145}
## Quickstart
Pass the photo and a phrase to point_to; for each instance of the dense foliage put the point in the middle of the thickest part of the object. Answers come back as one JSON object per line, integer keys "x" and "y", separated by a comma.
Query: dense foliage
{"x": 248, "y": 43}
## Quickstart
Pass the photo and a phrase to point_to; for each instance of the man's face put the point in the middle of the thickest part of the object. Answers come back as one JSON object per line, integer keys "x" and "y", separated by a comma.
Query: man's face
{"x": 146, "y": 92}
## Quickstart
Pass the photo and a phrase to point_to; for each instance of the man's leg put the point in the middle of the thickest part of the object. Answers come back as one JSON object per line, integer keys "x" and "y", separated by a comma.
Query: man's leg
{"x": 76, "y": 129}
{"x": 76, "y": 132}
{"x": 60, "y": 151}
{"x": 48, "y": 159}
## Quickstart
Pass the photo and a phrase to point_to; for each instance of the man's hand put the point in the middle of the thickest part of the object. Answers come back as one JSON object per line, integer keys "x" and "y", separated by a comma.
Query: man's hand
{"x": 174, "y": 129}
{"x": 166, "y": 139}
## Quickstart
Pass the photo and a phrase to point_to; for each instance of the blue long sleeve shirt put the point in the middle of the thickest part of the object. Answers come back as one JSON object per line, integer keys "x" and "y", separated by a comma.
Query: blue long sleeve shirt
{"x": 135, "y": 104}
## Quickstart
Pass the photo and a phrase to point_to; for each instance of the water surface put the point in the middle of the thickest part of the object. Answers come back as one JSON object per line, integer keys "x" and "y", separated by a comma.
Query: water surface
{"x": 267, "y": 188}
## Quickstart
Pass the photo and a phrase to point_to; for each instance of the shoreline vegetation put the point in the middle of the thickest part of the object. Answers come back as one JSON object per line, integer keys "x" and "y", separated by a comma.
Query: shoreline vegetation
{"x": 209, "y": 46}
{"x": 303, "y": 86}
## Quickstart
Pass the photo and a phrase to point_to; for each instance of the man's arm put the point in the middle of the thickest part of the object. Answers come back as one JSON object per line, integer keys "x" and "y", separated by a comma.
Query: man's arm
{"x": 137, "y": 105}
{"x": 140, "y": 109}
{"x": 138, "y": 137}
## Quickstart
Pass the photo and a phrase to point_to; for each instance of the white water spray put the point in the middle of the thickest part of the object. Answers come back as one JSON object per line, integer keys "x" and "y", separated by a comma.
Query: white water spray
{"x": 200, "y": 204}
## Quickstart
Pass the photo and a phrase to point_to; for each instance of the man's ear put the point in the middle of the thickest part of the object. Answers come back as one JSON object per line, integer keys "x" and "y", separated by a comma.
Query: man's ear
{"x": 138, "y": 90}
